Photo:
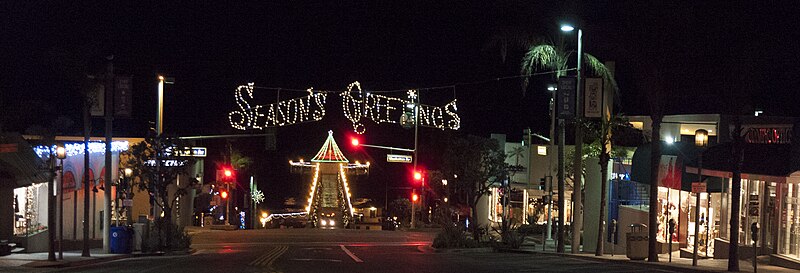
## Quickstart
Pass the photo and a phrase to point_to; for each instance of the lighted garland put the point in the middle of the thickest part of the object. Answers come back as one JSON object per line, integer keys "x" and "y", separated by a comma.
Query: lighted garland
{"x": 354, "y": 109}
{"x": 346, "y": 188}
{"x": 357, "y": 105}
{"x": 288, "y": 112}
{"x": 258, "y": 196}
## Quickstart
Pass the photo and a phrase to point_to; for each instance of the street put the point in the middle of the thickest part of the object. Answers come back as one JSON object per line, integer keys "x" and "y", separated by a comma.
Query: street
{"x": 321, "y": 250}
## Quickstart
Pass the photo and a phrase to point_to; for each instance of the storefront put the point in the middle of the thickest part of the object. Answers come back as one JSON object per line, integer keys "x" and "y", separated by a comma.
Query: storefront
{"x": 23, "y": 185}
{"x": 769, "y": 198}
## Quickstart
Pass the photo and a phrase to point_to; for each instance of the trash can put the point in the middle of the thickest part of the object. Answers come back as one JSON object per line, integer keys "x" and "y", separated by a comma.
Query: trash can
{"x": 636, "y": 242}
{"x": 139, "y": 232}
{"x": 120, "y": 240}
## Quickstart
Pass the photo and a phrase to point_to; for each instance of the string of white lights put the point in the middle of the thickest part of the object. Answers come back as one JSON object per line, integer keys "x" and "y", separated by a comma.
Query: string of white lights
{"x": 313, "y": 189}
{"x": 346, "y": 188}
{"x": 282, "y": 113}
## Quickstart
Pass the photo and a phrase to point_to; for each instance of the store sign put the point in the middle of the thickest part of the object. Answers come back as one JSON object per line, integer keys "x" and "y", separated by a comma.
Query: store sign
{"x": 768, "y": 135}
{"x": 8, "y": 148}
{"x": 754, "y": 208}
{"x": 698, "y": 187}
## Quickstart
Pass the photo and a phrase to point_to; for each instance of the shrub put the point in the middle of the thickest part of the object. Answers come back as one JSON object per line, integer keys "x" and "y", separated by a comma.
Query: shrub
{"x": 157, "y": 237}
{"x": 453, "y": 236}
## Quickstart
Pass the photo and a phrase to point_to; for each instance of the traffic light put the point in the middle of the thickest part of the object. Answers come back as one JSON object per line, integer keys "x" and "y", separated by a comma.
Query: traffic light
{"x": 418, "y": 176}
{"x": 543, "y": 183}
{"x": 354, "y": 142}
{"x": 223, "y": 194}
{"x": 228, "y": 173}
{"x": 414, "y": 197}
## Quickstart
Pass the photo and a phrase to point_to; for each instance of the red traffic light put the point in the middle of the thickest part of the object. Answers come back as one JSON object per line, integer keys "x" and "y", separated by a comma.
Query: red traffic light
{"x": 417, "y": 175}
{"x": 414, "y": 197}
{"x": 354, "y": 141}
{"x": 228, "y": 173}
{"x": 223, "y": 194}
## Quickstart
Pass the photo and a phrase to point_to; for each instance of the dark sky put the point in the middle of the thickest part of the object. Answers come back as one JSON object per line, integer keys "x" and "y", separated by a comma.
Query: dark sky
{"x": 711, "y": 56}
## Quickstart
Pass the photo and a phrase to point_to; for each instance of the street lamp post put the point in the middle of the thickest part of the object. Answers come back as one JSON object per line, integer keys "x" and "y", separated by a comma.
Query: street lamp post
{"x": 159, "y": 129}
{"x": 701, "y": 141}
{"x": 51, "y": 207}
{"x": 61, "y": 154}
{"x": 577, "y": 207}
{"x": 128, "y": 192}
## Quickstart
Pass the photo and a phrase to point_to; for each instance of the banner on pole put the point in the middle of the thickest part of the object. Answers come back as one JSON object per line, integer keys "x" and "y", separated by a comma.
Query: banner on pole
{"x": 593, "y": 98}
{"x": 565, "y": 99}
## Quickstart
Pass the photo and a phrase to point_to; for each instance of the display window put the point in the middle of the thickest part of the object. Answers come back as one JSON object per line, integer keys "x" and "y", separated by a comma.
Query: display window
{"x": 789, "y": 231}
{"x": 30, "y": 210}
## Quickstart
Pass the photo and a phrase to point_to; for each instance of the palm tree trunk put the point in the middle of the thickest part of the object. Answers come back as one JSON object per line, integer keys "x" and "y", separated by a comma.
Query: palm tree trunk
{"x": 655, "y": 157}
{"x": 736, "y": 196}
{"x": 601, "y": 225}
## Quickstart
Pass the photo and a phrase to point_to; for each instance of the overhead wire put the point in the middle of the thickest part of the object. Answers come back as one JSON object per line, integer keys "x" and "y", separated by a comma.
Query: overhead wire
{"x": 449, "y": 86}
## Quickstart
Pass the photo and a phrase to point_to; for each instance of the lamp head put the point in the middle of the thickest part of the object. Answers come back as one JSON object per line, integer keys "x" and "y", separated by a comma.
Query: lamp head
{"x": 701, "y": 138}
{"x": 567, "y": 28}
{"x": 61, "y": 152}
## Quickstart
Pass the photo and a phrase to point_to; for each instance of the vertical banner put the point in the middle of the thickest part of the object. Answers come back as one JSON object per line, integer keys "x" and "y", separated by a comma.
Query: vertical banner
{"x": 565, "y": 99}
{"x": 96, "y": 97}
{"x": 670, "y": 170}
{"x": 593, "y": 98}
{"x": 123, "y": 99}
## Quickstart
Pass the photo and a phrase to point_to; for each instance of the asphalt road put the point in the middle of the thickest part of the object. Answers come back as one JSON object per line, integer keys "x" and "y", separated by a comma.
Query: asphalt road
{"x": 306, "y": 250}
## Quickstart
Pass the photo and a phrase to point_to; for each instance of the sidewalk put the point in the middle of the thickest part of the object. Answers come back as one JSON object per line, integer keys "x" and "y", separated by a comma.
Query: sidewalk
{"x": 680, "y": 264}
{"x": 71, "y": 258}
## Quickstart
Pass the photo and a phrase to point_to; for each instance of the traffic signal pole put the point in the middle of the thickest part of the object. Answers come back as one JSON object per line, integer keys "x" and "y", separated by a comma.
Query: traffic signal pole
{"x": 416, "y": 131}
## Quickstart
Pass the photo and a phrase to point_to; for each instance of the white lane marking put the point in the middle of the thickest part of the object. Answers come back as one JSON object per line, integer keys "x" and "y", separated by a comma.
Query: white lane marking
{"x": 347, "y": 251}
{"x": 314, "y": 260}
{"x": 216, "y": 245}
{"x": 316, "y": 248}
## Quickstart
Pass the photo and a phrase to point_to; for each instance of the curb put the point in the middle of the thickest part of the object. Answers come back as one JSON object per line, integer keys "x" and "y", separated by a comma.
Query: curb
{"x": 592, "y": 258}
{"x": 49, "y": 264}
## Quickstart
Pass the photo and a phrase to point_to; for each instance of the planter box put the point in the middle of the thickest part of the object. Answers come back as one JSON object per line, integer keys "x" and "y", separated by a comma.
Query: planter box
{"x": 34, "y": 243}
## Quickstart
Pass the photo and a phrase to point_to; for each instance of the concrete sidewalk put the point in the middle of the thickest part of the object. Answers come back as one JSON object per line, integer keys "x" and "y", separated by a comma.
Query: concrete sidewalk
{"x": 71, "y": 258}
{"x": 678, "y": 264}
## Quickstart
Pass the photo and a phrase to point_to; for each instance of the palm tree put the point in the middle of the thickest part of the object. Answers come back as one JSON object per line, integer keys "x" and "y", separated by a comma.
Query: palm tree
{"x": 607, "y": 124}
{"x": 547, "y": 56}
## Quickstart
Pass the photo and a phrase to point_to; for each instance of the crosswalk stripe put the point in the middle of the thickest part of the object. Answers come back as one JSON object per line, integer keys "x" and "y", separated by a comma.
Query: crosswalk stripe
{"x": 276, "y": 256}
{"x": 263, "y": 257}
{"x": 347, "y": 251}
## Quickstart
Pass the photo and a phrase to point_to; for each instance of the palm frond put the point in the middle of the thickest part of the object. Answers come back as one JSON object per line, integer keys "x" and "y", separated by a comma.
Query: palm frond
{"x": 599, "y": 69}
{"x": 541, "y": 56}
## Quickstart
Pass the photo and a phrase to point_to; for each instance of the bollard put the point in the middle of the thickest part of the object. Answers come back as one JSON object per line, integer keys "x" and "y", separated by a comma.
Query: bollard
{"x": 669, "y": 240}
{"x": 613, "y": 235}
{"x": 754, "y": 234}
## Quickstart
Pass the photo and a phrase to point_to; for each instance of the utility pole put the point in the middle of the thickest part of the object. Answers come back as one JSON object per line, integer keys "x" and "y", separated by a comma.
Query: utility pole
{"x": 51, "y": 210}
{"x": 561, "y": 201}
{"x": 109, "y": 116}
{"x": 86, "y": 133}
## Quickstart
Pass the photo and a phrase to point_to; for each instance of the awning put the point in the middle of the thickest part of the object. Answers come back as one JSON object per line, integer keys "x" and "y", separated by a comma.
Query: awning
{"x": 771, "y": 162}
{"x": 18, "y": 163}
{"x": 685, "y": 153}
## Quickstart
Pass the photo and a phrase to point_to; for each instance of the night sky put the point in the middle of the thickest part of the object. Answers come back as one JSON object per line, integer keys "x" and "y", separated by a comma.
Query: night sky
{"x": 709, "y": 57}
